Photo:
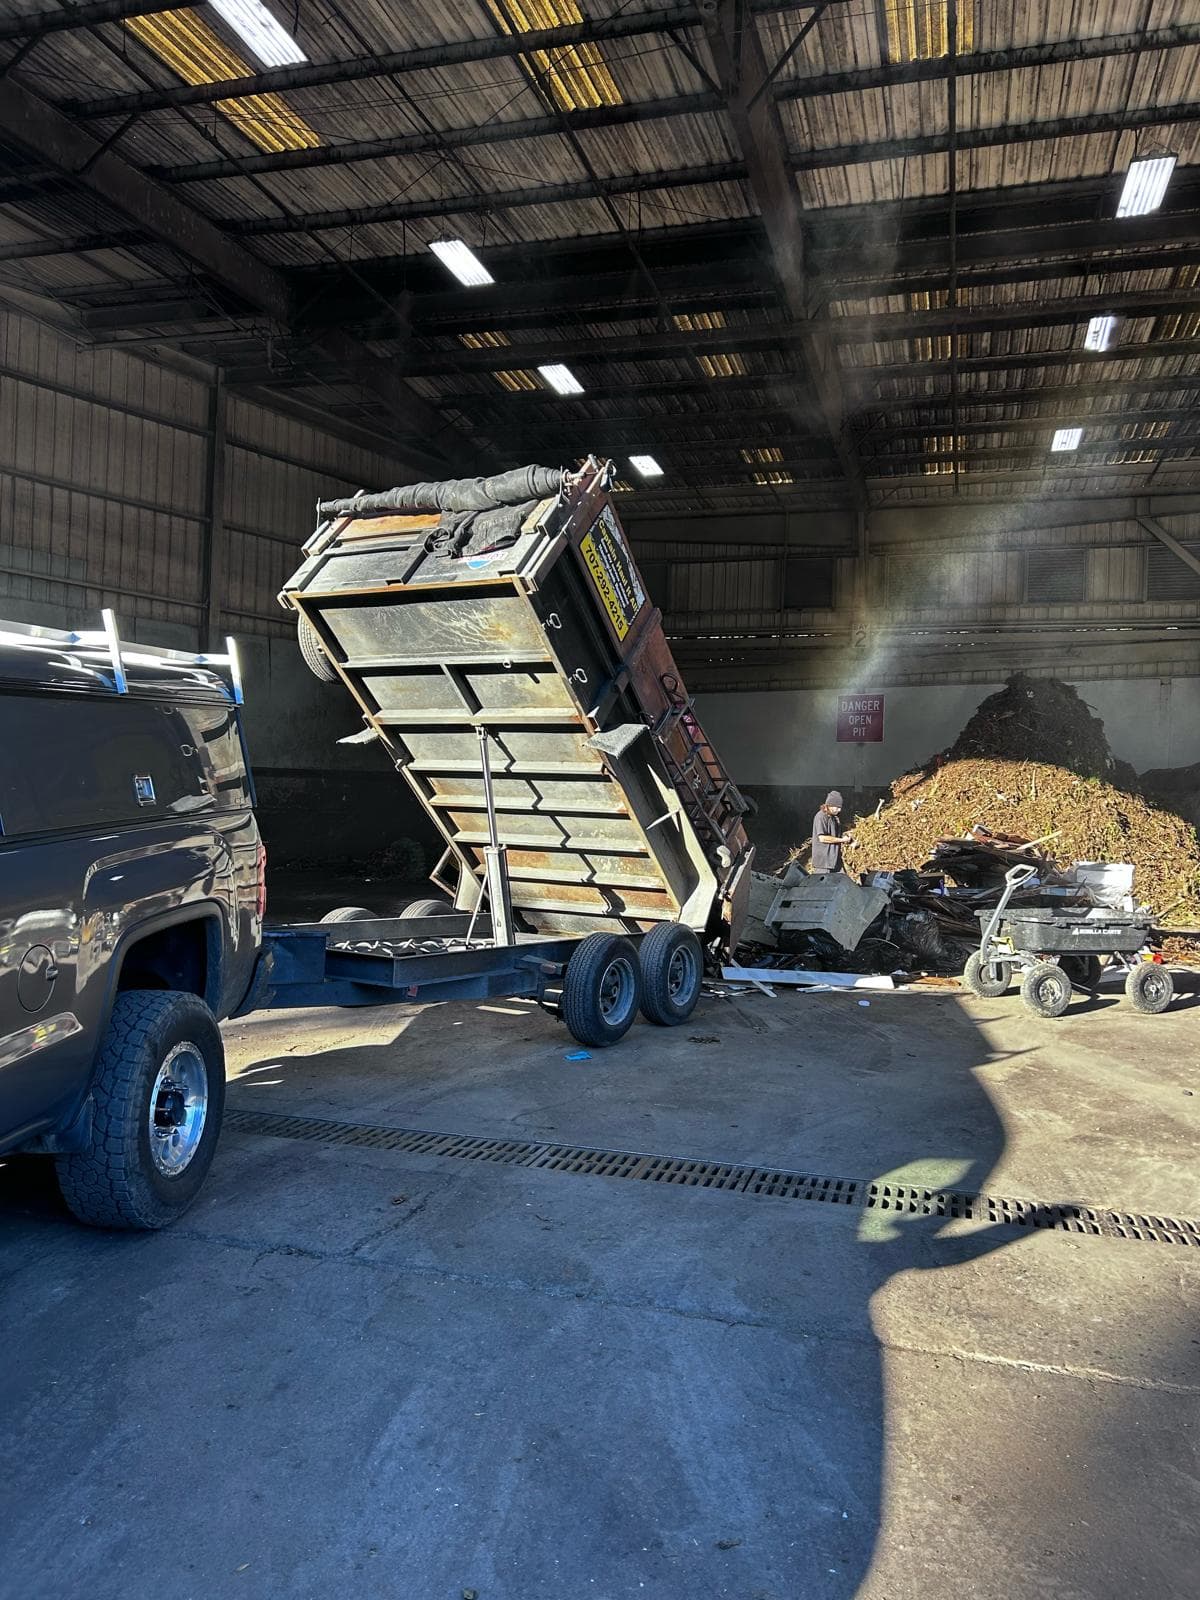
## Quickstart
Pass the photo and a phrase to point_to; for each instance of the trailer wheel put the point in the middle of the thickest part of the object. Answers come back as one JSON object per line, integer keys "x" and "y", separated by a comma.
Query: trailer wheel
{"x": 428, "y": 908}
{"x": 1083, "y": 971}
{"x": 1046, "y": 989}
{"x": 988, "y": 980}
{"x": 602, "y": 989}
{"x": 672, "y": 964}
{"x": 313, "y": 651}
{"x": 348, "y": 914}
{"x": 1150, "y": 988}
{"x": 158, "y": 1094}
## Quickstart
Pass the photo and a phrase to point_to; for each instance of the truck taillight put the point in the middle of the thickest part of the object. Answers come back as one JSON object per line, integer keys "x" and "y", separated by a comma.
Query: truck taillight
{"x": 260, "y": 904}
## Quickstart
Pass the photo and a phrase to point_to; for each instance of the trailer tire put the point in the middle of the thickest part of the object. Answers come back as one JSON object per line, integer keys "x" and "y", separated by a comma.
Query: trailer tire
{"x": 1150, "y": 988}
{"x": 1046, "y": 989}
{"x": 1083, "y": 971}
{"x": 158, "y": 1095}
{"x": 348, "y": 914}
{"x": 672, "y": 964}
{"x": 313, "y": 651}
{"x": 428, "y": 908}
{"x": 986, "y": 981}
{"x": 602, "y": 989}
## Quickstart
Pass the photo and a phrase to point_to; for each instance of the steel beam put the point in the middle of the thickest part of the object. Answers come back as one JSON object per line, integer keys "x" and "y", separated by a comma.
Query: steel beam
{"x": 1014, "y": 314}
{"x": 797, "y": 334}
{"x": 34, "y": 24}
{"x": 427, "y": 143}
{"x": 213, "y": 541}
{"x": 72, "y": 245}
{"x": 1021, "y": 360}
{"x": 925, "y": 144}
{"x": 726, "y": 432}
{"x": 774, "y": 204}
{"x": 885, "y": 418}
{"x": 496, "y": 200}
{"x": 742, "y": 69}
{"x": 38, "y": 127}
{"x": 1154, "y": 527}
{"x": 388, "y": 63}
{"x": 699, "y": 104}
{"x": 672, "y": 345}
{"x": 806, "y": 87}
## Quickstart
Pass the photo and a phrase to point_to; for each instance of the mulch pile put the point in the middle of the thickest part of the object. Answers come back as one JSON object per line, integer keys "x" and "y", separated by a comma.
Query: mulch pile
{"x": 1033, "y": 764}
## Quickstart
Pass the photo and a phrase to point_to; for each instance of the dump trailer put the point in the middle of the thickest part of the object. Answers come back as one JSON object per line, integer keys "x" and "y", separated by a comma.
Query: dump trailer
{"x": 499, "y": 641}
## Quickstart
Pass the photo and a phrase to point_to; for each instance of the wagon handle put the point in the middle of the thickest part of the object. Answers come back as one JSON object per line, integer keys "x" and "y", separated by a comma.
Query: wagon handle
{"x": 1013, "y": 879}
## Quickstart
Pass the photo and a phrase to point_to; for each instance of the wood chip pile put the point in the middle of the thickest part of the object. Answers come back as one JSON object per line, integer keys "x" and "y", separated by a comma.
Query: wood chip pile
{"x": 1033, "y": 764}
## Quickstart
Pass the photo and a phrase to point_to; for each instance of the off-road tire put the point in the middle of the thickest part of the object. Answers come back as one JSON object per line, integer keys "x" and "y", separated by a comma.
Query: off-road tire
{"x": 1046, "y": 989}
{"x": 584, "y": 1010}
{"x": 114, "y": 1182}
{"x": 672, "y": 964}
{"x": 1150, "y": 988}
{"x": 313, "y": 651}
{"x": 348, "y": 914}
{"x": 987, "y": 981}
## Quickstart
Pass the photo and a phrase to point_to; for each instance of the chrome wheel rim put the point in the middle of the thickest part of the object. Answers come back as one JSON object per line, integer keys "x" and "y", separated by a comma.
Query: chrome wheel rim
{"x": 1154, "y": 987}
{"x": 178, "y": 1109}
{"x": 618, "y": 989}
{"x": 681, "y": 974}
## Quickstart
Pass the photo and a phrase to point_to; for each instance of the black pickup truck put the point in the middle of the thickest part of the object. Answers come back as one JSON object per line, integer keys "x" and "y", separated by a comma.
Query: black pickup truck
{"x": 131, "y": 906}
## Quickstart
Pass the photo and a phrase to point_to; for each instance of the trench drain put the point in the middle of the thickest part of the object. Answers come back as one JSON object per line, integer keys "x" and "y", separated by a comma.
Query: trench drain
{"x": 731, "y": 1178}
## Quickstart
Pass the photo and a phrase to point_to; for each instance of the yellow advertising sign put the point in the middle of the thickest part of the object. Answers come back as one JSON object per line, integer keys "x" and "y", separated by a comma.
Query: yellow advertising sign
{"x": 608, "y": 560}
{"x": 606, "y": 591}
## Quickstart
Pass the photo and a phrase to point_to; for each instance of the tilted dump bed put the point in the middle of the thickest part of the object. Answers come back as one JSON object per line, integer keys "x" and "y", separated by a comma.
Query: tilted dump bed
{"x": 513, "y": 604}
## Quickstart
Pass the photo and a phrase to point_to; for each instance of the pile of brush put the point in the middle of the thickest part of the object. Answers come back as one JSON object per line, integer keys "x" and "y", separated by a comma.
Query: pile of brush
{"x": 1032, "y": 764}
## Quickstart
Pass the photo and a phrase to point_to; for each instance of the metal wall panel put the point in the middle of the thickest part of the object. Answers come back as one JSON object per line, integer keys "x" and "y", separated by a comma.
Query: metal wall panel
{"x": 105, "y": 464}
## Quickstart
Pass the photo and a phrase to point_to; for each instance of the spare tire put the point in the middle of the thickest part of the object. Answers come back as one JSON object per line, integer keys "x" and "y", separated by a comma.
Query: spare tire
{"x": 348, "y": 914}
{"x": 428, "y": 908}
{"x": 313, "y": 651}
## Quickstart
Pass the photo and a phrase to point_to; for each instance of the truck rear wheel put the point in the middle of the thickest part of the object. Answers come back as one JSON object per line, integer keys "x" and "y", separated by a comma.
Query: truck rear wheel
{"x": 602, "y": 989}
{"x": 158, "y": 1094}
{"x": 672, "y": 965}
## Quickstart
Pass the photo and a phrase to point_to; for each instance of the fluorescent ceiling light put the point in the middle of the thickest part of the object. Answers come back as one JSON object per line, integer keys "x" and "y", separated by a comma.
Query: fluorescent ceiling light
{"x": 1067, "y": 439}
{"x": 462, "y": 262}
{"x": 256, "y": 27}
{"x": 646, "y": 465}
{"x": 1099, "y": 333}
{"x": 561, "y": 379}
{"x": 1145, "y": 185}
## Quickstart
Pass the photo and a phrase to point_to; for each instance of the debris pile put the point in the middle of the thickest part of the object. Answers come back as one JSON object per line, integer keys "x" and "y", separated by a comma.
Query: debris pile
{"x": 1030, "y": 780}
{"x": 1032, "y": 764}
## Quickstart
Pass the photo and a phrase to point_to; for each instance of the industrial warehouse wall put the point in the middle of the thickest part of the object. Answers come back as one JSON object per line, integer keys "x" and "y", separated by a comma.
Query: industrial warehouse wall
{"x": 783, "y": 746}
{"x": 106, "y": 474}
{"x": 783, "y": 599}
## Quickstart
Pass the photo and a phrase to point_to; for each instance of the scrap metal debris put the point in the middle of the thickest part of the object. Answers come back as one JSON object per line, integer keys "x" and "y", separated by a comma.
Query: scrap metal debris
{"x": 1030, "y": 780}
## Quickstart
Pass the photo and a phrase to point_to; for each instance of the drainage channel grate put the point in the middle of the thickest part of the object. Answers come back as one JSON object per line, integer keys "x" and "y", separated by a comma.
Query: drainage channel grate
{"x": 766, "y": 1182}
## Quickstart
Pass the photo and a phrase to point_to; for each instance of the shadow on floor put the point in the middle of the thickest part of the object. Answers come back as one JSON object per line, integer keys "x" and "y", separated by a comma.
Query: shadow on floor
{"x": 577, "y": 1387}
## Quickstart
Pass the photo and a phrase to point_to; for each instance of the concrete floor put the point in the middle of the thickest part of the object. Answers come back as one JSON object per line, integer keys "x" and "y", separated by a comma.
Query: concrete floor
{"x": 352, "y": 1371}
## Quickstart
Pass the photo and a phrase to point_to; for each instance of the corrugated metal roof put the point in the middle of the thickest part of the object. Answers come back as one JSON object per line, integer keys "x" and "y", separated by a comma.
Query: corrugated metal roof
{"x": 901, "y": 225}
